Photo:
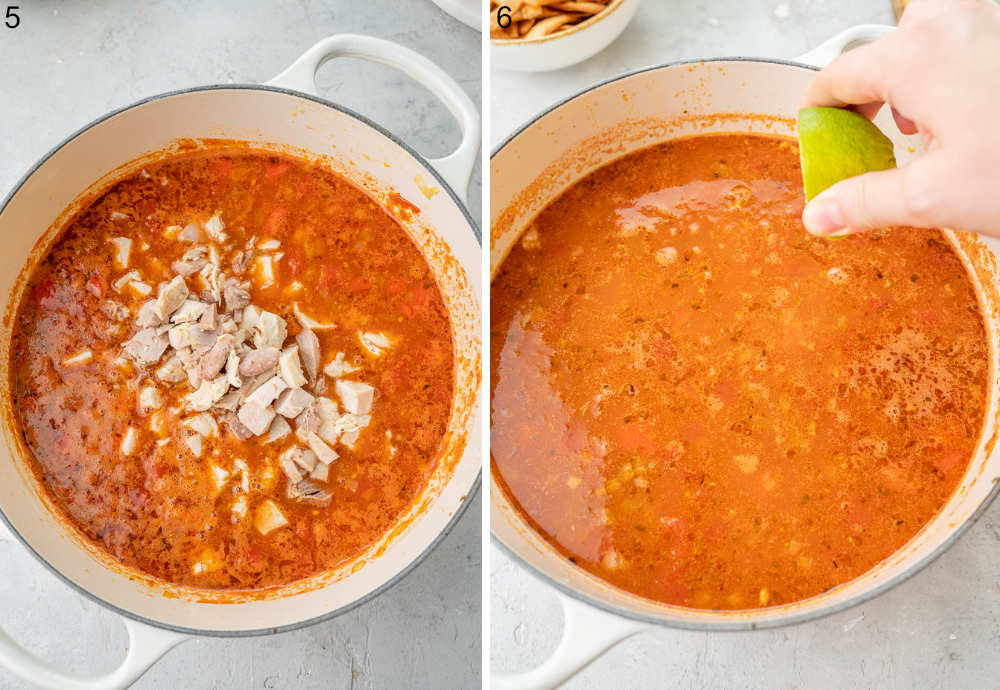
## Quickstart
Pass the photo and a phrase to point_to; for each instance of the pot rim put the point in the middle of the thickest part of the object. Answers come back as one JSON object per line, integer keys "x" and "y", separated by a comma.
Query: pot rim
{"x": 631, "y": 73}
{"x": 469, "y": 495}
{"x": 736, "y": 625}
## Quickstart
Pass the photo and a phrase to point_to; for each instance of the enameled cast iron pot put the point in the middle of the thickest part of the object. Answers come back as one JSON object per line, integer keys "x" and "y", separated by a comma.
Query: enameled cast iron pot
{"x": 599, "y": 125}
{"x": 285, "y": 114}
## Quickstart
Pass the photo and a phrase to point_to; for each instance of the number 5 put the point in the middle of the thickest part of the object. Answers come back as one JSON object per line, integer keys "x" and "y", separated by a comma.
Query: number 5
{"x": 13, "y": 21}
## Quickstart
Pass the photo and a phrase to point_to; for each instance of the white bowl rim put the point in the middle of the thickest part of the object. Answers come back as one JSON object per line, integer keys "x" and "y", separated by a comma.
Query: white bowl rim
{"x": 459, "y": 511}
{"x": 735, "y": 626}
{"x": 576, "y": 28}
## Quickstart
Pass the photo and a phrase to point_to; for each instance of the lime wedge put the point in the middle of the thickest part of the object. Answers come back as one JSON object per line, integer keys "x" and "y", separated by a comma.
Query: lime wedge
{"x": 835, "y": 144}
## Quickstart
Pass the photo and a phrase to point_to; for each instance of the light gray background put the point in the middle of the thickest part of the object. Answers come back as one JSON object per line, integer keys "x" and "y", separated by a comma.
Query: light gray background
{"x": 70, "y": 62}
{"x": 939, "y": 630}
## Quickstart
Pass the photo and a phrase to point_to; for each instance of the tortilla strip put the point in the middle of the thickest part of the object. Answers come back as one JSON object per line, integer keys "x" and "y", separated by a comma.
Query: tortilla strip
{"x": 546, "y": 26}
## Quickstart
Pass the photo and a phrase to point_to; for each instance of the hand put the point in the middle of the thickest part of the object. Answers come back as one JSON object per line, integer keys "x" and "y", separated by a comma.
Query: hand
{"x": 940, "y": 73}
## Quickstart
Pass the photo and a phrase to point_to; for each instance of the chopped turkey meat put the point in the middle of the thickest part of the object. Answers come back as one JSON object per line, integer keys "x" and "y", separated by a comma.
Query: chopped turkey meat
{"x": 375, "y": 343}
{"x": 343, "y": 429}
{"x": 123, "y": 250}
{"x": 190, "y": 233}
{"x": 129, "y": 441}
{"x": 203, "y": 424}
{"x": 233, "y": 370}
{"x": 258, "y": 361}
{"x": 236, "y": 293}
{"x": 190, "y": 310}
{"x": 194, "y": 443}
{"x": 307, "y": 321}
{"x": 147, "y": 316}
{"x": 324, "y": 453}
{"x": 327, "y": 409}
{"x": 215, "y": 359}
{"x": 189, "y": 267}
{"x": 171, "y": 371}
{"x": 220, "y": 477}
{"x": 150, "y": 398}
{"x": 237, "y": 428}
{"x": 255, "y": 417}
{"x": 209, "y": 318}
{"x": 266, "y": 392}
{"x": 268, "y": 517}
{"x": 208, "y": 393}
{"x": 307, "y": 460}
{"x": 146, "y": 346}
{"x": 230, "y": 401}
{"x": 243, "y": 369}
{"x": 290, "y": 367}
{"x": 171, "y": 297}
{"x": 291, "y": 470}
{"x": 309, "y": 352}
{"x": 307, "y": 422}
{"x": 339, "y": 366}
{"x": 81, "y": 357}
{"x": 279, "y": 429}
{"x": 292, "y": 402}
{"x": 320, "y": 473}
{"x": 130, "y": 277}
{"x": 357, "y": 397}
{"x": 190, "y": 335}
{"x": 271, "y": 330}
{"x": 192, "y": 369}
{"x": 214, "y": 227}
{"x": 307, "y": 492}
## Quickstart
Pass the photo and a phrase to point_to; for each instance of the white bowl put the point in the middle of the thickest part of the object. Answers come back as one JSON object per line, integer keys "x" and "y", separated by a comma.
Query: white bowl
{"x": 565, "y": 48}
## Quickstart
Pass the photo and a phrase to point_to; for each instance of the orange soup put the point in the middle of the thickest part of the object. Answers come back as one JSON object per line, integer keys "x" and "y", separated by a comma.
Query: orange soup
{"x": 702, "y": 404}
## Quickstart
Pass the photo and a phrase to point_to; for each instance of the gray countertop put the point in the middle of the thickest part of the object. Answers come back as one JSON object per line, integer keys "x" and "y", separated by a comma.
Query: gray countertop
{"x": 69, "y": 63}
{"x": 939, "y": 629}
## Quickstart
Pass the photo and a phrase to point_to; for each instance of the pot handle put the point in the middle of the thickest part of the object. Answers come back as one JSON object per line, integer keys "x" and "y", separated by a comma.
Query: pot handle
{"x": 825, "y": 53}
{"x": 145, "y": 647}
{"x": 587, "y": 633}
{"x": 456, "y": 169}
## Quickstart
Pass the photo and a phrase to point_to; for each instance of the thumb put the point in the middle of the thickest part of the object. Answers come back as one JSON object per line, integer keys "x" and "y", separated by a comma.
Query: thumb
{"x": 869, "y": 201}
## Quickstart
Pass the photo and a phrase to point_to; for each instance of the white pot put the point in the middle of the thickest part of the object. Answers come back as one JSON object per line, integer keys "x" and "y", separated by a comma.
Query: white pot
{"x": 599, "y": 125}
{"x": 285, "y": 115}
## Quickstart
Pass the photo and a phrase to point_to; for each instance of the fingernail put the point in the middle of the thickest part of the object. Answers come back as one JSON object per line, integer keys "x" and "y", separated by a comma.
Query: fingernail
{"x": 823, "y": 217}
{"x": 840, "y": 233}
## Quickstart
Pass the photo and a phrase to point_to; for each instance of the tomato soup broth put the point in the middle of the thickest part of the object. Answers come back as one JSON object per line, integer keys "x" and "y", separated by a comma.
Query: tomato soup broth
{"x": 702, "y": 404}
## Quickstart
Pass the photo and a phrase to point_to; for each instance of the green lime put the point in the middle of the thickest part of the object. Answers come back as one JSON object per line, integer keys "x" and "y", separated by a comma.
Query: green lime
{"x": 835, "y": 144}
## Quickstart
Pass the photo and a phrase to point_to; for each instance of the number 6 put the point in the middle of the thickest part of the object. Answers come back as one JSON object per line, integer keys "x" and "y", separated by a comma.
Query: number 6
{"x": 503, "y": 14}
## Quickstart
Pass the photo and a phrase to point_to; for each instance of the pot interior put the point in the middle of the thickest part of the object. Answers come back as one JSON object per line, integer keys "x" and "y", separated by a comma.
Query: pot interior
{"x": 289, "y": 122}
{"x": 649, "y": 107}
